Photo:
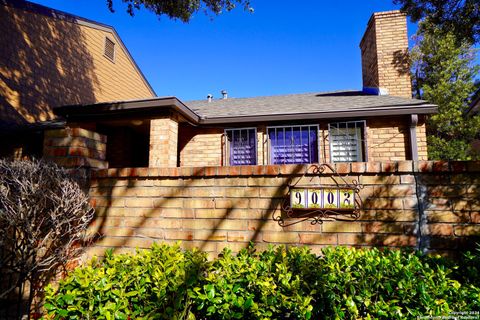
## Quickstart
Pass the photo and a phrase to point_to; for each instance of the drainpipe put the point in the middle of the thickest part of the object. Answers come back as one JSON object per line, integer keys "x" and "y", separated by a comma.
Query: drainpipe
{"x": 413, "y": 137}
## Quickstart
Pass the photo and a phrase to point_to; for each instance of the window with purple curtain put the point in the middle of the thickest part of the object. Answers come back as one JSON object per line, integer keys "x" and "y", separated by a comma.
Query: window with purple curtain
{"x": 293, "y": 144}
{"x": 242, "y": 146}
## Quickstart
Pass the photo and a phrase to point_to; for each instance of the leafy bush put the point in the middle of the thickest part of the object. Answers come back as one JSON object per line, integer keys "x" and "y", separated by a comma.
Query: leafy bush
{"x": 389, "y": 284}
{"x": 279, "y": 283}
{"x": 255, "y": 286}
{"x": 151, "y": 284}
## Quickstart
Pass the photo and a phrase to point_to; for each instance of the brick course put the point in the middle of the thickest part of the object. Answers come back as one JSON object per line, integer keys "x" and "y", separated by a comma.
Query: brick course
{"x": 212, "y": 209}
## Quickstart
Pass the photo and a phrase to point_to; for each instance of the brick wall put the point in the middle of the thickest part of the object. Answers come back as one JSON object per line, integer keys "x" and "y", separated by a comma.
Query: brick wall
{"x": 49, "y": 62}
{"x": 200, "y": 147}
{"x": 387, "y": 140}
{"x": 428, "y": 205}
{"x": 385, "y": 62}
{"x": 75, "y": 147}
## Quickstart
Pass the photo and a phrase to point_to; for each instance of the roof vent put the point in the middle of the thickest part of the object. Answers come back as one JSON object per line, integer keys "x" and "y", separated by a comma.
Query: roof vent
{"x": 224, "y": 94}
{"x": 209, "y": 97}
{"x": 109, "y": 49}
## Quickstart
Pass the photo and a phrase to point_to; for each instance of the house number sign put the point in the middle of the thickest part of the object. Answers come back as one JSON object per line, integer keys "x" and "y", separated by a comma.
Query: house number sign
{"x": 326, "y": 201}
{"x": 322, "y": 198}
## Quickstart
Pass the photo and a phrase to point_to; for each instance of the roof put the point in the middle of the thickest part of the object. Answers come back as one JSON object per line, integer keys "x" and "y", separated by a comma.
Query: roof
{"x": 339, "y": 104}
{"x": 308, "y": 105}
{"x": 60, "y": 15}
{"x": 142, "y": 108}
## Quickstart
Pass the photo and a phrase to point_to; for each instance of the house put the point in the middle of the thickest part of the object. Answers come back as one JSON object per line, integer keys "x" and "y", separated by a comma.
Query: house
{"x": 202, "y": 188}
{"x": 51, "y": 58}
{"x": 379, "y": 123}
{"x": 473, "y": 110}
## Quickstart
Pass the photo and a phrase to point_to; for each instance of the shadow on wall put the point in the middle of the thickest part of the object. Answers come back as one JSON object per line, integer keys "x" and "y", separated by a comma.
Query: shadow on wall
{"x": 45, "y": 64}
{"x": 430, "y": 212}
{"x": 401, "y": 62}
{"x": 450, "y": 211}
{"x": 137, "y": 212}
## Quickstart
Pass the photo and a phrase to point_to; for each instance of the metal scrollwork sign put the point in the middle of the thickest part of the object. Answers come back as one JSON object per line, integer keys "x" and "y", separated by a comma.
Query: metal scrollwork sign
{"x": 338, "y": 200}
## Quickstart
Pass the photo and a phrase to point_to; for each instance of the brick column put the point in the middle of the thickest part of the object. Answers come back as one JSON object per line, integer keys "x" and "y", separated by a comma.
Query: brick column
{"x": 163, "y": 143}
{"x": 75, "y": 147}
{"x": 422, "y": 139}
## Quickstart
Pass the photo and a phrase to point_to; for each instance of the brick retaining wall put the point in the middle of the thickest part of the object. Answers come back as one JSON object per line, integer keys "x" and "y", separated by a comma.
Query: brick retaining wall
{"x": 427, "y": 205}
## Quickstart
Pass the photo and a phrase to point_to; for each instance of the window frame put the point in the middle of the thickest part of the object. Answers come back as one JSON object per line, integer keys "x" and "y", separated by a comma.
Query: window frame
{"x": 269, "y": 146}
{"x": 226, "y": 153}
{"x": 363, "y": 143}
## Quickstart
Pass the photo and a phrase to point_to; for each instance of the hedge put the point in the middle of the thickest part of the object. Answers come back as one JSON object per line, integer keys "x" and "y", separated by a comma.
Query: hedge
{"x": 167, "y": 282}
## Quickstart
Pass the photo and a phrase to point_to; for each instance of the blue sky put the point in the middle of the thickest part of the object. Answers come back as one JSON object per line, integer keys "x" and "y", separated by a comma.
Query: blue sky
{"x": 281, "y": 48}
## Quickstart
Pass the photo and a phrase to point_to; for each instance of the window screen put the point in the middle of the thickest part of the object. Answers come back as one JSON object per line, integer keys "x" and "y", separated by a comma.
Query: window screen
{"x": 346, "y": 141}
{"x": 293, "y": 144}
{"x": 241, "y": 146}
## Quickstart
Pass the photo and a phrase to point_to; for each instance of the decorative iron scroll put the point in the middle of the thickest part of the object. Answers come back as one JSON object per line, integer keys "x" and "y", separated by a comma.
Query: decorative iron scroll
{"x": 318, "y": 215}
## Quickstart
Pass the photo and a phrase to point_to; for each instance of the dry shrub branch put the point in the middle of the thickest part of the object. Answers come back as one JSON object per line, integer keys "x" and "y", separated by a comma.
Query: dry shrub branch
{"x": 43, "y": 218}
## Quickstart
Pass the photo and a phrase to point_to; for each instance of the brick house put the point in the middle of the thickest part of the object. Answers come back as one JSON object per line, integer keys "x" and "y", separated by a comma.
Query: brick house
{"x": 380, "y": 123}
{"x": 51, "y": 58}
{"x": 201, "y": 186}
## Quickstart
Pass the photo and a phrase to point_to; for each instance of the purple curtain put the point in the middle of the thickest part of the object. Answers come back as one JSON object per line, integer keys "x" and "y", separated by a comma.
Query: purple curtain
{"x": 242, "y": 147}
{"x": 290, "y": 145}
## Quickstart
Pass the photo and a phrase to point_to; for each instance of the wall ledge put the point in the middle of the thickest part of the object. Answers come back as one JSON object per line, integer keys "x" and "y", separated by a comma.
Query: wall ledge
{"x": 353, "y": 168}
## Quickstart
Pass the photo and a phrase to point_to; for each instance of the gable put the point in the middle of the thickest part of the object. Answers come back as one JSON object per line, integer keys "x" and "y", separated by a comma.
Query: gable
{"x": 53, "y": 59}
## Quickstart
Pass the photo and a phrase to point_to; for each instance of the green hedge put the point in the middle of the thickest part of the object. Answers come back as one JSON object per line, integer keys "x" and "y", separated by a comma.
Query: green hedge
{"x": 167, "y": 282}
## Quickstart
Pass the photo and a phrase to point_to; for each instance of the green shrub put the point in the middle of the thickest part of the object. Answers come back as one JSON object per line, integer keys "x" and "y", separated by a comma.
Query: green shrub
{"x": 388, "y": 284}
{"x": 151, "y": 284}
{"x": 256, "y": 286}
{"x": 279, "y": 283}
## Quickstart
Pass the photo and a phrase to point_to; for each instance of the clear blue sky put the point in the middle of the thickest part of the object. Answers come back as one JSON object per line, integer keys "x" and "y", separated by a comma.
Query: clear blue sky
{"x": 283, "y": 47}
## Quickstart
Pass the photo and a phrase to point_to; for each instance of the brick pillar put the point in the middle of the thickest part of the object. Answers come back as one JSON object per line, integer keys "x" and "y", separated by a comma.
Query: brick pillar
{"x": 163, "y": 143}
{"x": 385, "y": 63}
{"x": 75, "y": 147}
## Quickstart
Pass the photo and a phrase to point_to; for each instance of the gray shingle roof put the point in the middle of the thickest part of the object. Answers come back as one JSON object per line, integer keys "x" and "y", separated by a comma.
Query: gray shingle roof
{"x": 305, "y": 106}
{"x": 349, "y": 102}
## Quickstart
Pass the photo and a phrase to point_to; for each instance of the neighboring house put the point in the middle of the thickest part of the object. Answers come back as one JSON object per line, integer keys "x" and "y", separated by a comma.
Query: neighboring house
{"x": 51, "y": 58}
{"x": 475, "y": 105}
{"x": 475, "y": 110}
{"x": 380, "y": 123}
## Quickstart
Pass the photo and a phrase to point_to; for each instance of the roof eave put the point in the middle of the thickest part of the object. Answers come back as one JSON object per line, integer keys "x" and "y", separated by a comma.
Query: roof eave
{"x": 427, "y": 109}
{"x": 144, "y": 107}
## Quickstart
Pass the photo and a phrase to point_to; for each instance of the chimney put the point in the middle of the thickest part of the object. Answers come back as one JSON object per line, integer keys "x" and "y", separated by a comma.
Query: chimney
{"x": 385, "y": 62}
{"x": 224, "y": 94}
{"x": 209, "y": 97}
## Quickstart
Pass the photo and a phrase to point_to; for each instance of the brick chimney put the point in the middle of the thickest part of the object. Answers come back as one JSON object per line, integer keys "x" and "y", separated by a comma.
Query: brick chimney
{"x": 385, "y": 63}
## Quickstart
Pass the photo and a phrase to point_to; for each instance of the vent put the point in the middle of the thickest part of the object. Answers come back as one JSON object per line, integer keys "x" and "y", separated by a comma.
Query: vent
{"x": 109, "y": 49}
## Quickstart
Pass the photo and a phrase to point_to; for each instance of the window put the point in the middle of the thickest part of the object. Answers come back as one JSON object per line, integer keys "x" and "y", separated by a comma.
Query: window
{"x": 293, "y": 144}
{"x": 241, "y": 146}
{"x": 109, "y": 49}
{"x": 347, "y": 142}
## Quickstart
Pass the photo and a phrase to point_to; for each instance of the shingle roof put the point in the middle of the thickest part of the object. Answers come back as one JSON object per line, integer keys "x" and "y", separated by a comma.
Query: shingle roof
{"x": 348, "y": 102}
{"x": 305, "y": 106}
